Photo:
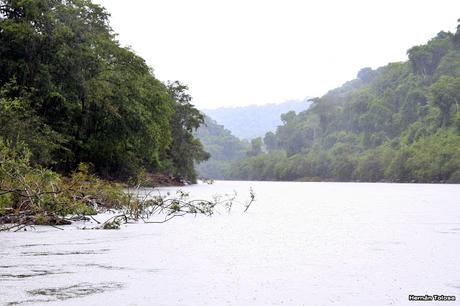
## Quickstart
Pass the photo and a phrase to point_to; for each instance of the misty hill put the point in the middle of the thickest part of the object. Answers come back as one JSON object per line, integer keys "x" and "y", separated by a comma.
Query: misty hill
{"x": 254, "y": 121}
{"x": 399, "y": 123}
{"x": 223, "y": 147}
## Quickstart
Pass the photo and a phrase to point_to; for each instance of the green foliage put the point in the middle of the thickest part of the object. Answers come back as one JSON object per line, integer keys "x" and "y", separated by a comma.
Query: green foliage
{"x": 185, "y": 149}
{"x": 42, "y": 192}
{"x": 222, "y": 146}
{"x": 73, "y": 94}
{"x": 19, "y": 123}
{"x": 445, "y": 93}
{"x": 21, "y": 185}
{"x": 256, "y": 147}
{"x": 270, "y": 141}
{"x": 436, "y": 158}
{"x": 397, "y": 123}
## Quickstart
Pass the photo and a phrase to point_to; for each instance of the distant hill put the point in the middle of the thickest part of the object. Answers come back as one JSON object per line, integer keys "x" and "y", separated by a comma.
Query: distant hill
{"x": 254, "y": 121}
{"x": 397, "y": 123}
{"x": 223, "y": 147}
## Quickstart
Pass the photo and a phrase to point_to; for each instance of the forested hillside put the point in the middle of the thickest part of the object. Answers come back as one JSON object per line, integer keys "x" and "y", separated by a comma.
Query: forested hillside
{"x": 223, "y": 147}
{"x": 397, "y": 123}
{"x": 70, "y": 93}
{"x": 253, "y": 121}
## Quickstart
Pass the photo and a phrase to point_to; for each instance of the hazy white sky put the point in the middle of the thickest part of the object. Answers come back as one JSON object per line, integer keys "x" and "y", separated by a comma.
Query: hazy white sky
{"x": 241, "y": 52}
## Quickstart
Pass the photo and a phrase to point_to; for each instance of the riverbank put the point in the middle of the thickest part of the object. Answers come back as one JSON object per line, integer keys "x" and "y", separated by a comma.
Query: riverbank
{"x": 163, "y": 180}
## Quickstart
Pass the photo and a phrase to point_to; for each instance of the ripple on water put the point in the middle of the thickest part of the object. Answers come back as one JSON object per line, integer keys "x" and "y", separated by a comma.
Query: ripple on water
{"x": 116, "y": 268}
{"x": 43, "y": 295}
{"x": 64, "y": 253}
{"x": 31, "y": 273}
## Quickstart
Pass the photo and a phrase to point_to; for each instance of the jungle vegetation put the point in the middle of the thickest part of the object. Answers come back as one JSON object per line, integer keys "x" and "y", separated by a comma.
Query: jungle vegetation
{"x": 398, "y": 123}
{"x": 71, "y": 95}
{"x": 223, "y": 147}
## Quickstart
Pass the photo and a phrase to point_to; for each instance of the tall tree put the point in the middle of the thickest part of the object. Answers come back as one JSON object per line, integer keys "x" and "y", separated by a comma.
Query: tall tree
{"x": 185, "y": 149}
{"x": 69, "y": 71}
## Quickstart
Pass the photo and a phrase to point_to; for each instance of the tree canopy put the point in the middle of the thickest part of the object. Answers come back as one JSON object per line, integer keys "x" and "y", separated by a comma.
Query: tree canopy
{"x": 400, "y": 123}
{"x": 73, "y": 94}
{"x": 223, "y": 147}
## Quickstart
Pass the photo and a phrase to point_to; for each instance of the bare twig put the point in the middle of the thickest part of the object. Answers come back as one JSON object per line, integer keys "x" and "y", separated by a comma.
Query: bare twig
{"x": 253, "y": 197}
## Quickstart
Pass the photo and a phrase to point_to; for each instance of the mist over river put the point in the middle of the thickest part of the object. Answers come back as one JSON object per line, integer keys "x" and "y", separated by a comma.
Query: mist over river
{"x": 298, "y": 244}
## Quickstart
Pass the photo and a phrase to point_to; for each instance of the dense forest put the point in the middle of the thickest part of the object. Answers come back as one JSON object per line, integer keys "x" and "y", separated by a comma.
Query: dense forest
{"x": 248, "y": 122}
{"x": 78, "y": 113}
{"x": 223, "y": 147}
{"x": 398, "y": 123}
{"x": 70, "y": 94}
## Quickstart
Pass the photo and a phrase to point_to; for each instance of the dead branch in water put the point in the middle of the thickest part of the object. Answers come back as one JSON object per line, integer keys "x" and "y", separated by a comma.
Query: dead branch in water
{"x": 167, "y": 208}
{"x": 32, "y": 195}
{"x": 253, "y": 198}
{"x": 148, "y": 207}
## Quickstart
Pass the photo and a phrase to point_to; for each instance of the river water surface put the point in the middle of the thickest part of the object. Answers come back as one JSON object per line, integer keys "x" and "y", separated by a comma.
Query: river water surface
{"x": 298, "y": 244}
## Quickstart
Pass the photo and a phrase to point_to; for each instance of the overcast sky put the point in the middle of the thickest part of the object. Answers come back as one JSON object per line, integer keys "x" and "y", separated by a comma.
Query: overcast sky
{"x": 242, "y": 52}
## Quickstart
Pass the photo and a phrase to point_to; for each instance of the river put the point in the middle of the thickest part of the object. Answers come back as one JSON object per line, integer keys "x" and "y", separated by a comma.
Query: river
{"x": 298, "y": 244}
